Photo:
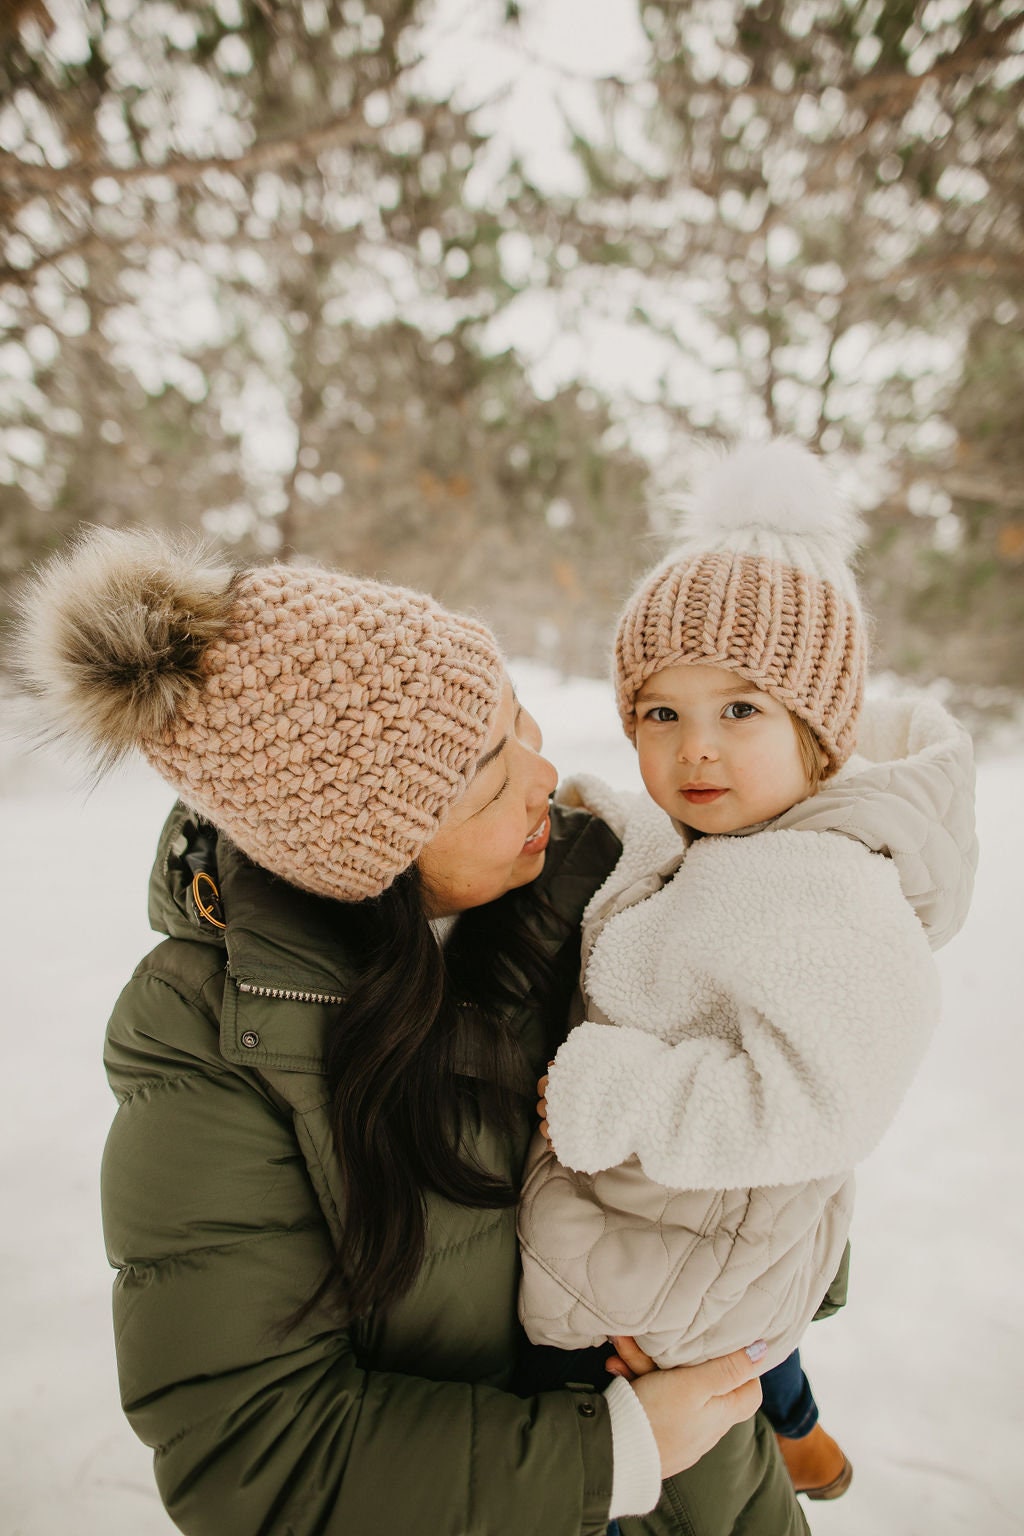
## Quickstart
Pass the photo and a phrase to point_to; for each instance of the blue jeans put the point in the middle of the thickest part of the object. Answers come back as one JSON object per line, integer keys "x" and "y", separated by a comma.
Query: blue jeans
{"x": 788, "y": 1402}
{"x": 615, "y": 1529}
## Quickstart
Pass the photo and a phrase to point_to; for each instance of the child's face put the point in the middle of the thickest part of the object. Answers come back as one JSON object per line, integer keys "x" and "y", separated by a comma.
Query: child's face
{"x": 715, "y": 752}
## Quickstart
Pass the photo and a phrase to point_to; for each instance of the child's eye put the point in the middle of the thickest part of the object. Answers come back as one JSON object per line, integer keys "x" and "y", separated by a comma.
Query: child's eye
{"x": 660, "y": 714}
{"x": 740, "y": 710}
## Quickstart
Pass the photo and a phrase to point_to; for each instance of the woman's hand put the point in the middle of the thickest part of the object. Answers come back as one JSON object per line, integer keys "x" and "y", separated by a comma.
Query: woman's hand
{"x": 690, "y": 1407}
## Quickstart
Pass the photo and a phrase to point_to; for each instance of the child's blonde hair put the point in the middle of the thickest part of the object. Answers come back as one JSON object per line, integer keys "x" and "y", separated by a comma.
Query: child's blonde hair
{"x": 811, "y": 754}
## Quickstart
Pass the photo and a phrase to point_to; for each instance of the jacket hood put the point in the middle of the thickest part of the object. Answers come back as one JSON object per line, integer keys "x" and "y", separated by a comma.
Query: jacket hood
{"x": 187, "y": 847}
{"x": 907, "y": 794}
{"x": 275, "y": 935}
{"x": 281, "y": 939}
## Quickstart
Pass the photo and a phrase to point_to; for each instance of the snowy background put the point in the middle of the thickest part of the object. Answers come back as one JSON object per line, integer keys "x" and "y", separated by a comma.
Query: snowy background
{"x": 919, "y": 1378}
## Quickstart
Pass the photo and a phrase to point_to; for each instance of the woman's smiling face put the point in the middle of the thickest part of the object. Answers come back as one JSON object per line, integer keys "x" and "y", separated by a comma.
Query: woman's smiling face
{"x": 495, "y": 837}
{"x": 715, "y": 752}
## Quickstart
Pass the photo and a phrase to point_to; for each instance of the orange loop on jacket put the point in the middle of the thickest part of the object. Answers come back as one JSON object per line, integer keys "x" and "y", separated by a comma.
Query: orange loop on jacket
{"x": 204, "y": 911}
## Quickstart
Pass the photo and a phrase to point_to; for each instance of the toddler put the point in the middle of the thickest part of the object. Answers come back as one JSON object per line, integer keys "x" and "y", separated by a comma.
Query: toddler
{"x": 755, "y": 1000}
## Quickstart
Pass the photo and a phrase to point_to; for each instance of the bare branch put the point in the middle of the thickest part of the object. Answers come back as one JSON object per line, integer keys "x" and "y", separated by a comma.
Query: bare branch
{"x": 967, "y": 55}
{"x": 268, "y": 154}
{"x": 983, "y": 488}
{"x": 896, "y": 85}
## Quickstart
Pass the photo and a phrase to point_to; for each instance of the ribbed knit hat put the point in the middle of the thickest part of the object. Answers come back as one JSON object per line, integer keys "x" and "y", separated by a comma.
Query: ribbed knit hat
{"x": 760, "y": 584}
{"x": 325, "y": 722}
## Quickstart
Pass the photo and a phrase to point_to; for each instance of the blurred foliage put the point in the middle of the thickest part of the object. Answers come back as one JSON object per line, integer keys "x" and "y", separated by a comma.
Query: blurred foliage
{"x": 839, "y": 189}
{"x": 252, "y": 273}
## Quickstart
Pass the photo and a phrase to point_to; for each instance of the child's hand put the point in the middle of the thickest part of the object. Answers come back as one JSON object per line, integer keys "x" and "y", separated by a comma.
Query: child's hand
{"x": 629, "y": 1360}
{"x": 542, "y": 1106}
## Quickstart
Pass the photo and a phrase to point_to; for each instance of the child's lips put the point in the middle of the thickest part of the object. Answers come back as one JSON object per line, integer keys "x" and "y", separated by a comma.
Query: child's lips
{"x": 702, "y": 794}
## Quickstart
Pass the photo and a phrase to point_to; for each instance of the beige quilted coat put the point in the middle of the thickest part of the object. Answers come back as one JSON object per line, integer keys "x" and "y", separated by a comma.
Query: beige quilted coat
{"x": 755, "y": 1009}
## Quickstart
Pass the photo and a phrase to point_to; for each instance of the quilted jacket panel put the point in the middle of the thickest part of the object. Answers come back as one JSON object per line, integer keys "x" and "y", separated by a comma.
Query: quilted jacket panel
{"x": 772, "y": 993}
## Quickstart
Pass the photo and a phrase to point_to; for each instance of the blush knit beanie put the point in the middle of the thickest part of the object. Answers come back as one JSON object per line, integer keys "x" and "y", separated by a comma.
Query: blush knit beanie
{"x": 325, "y": 722}
{"x": 760, "y": 584}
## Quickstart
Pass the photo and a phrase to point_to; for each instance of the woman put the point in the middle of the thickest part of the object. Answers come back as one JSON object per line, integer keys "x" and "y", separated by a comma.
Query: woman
{"x": 325, "y": 1082}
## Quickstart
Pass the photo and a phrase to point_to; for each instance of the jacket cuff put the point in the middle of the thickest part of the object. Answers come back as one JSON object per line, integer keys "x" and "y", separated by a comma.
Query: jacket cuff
{"x": 636, "y": 1464}
{"x": 585, "y": 1115}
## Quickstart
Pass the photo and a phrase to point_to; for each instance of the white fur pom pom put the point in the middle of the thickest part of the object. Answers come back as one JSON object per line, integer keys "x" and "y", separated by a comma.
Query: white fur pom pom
{"x": 112, "y": 636}
{"x": 769, "y": 499}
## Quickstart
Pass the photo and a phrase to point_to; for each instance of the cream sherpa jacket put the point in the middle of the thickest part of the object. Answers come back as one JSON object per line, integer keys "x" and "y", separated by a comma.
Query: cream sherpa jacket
{"x": 755, "y": 1009}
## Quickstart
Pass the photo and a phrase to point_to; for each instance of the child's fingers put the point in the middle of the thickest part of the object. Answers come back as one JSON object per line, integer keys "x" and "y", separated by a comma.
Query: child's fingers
{"x": 628, "y": 1351}
{"x": 542, "y": 1104}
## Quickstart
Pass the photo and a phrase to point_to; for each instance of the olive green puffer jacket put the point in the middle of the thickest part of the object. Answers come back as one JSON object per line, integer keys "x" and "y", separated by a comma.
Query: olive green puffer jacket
{"x": 220, "y": 1205}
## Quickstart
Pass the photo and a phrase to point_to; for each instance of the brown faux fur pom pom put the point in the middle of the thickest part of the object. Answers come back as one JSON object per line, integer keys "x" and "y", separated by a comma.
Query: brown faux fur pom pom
{"x": 112, "y": 635}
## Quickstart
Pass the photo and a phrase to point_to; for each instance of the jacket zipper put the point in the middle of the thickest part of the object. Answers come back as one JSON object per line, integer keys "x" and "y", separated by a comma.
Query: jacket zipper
{"x": 287, "y": 995}
{"x": 300, "y": 997}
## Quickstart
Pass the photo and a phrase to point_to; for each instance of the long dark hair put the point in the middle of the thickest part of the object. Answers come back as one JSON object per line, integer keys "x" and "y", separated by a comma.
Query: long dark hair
{"x": 398, "y": 1100}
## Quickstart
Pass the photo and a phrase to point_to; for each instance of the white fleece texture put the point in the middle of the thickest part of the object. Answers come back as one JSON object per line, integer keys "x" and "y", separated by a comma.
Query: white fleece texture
{"x": 771, "y": 1004}
{"x": 772, "y": 993}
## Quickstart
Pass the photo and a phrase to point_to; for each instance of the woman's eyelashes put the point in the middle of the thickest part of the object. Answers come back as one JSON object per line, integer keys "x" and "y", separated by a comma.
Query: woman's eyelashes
{"x": 507, "y": 779}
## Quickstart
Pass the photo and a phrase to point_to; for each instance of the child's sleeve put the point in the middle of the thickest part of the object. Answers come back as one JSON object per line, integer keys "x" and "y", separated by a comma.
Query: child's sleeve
{"x": 833, "y": 995}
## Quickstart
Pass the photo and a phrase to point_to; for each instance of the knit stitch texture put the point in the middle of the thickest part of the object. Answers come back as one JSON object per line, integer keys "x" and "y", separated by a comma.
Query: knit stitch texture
{"x": 760, "y": 589}
{"x": 327, "y": 723}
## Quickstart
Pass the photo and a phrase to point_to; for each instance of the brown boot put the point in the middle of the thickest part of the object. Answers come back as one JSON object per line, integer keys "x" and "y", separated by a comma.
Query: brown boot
{"x": 816, "y": 1464}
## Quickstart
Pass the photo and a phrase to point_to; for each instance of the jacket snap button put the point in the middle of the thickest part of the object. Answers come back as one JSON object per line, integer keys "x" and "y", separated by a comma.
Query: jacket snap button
{"x": 250, "y": 1039}
{"x": 586, "y": 1410}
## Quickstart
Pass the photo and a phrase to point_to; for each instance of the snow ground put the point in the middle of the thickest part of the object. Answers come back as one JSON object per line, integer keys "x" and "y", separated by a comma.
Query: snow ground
{"x": 918, "y": 1378}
